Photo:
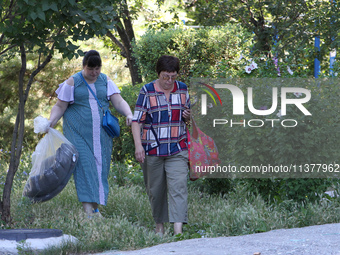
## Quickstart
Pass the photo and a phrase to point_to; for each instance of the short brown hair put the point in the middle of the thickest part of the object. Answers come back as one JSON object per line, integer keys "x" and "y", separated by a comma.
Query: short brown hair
{"x": 168, "y": 64}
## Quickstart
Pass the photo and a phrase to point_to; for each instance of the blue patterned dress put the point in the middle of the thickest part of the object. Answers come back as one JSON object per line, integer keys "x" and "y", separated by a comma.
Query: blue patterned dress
{"x": 82, "y": 127}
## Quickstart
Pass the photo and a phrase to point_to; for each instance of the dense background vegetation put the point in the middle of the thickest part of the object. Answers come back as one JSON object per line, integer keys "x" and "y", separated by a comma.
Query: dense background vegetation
{"x": 128, "y": 223}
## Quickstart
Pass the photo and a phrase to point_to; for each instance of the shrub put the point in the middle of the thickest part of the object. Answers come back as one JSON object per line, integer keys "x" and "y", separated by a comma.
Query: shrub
{"x": 310, "y": 142}
{"x": 200, "y": 51}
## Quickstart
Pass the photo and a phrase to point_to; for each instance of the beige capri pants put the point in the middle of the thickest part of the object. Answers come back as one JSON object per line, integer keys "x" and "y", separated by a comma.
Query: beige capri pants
{"x": 165, "y": 180}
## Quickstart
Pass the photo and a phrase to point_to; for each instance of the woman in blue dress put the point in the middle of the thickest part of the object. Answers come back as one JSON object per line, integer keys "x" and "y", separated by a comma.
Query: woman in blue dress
{"x": 82, "y": 118}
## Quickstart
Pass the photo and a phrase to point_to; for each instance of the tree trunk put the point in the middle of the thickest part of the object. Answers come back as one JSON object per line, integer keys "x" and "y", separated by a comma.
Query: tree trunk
{"x": 126, "y": 34}
{"x": 134, "y": 70}
{"x": 18, "y": 133}
{"x": 131, "y": 61}
{"x": 17, "y": 141}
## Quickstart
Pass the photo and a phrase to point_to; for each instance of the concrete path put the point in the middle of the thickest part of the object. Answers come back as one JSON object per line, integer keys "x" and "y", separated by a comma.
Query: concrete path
{"x": 314, "y": 240}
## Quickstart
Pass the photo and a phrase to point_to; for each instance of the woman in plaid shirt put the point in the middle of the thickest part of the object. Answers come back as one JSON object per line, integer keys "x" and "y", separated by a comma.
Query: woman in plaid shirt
{"x": 159, "y": 132}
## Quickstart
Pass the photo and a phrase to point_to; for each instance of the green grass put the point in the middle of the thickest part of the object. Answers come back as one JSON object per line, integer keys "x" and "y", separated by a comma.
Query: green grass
{"x": 128, "y": 224}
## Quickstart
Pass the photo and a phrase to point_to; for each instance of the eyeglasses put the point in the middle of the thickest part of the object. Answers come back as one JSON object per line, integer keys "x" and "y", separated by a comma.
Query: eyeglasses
{"x": 167, "y": 77}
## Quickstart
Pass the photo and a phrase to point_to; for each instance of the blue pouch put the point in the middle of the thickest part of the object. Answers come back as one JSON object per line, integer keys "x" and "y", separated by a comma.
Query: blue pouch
{"x": 111, "y": 124}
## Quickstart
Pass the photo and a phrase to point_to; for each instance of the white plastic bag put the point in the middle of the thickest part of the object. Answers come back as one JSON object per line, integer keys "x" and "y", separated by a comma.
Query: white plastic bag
{"x": 53, "y": 162}
{"x": 47, "y": 146}
{"x": 41, "y": 125}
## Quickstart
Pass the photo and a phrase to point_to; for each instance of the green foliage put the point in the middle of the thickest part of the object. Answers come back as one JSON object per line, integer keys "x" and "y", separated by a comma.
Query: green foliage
{"x": 129, "y": 225}
{"x": 43, "y": 22}
{"x": 24, "y": 248}
{"x": 310, "y": 142}
{"x": 200, "y": 51}
{"x": 219, "y": 186}
{"x": 126, "y": 174}
{"x": 38, "y": 103}
{"x": 280, "y": 28}
{"x": 22, "y": 173}
{"x": 267, "y": 67}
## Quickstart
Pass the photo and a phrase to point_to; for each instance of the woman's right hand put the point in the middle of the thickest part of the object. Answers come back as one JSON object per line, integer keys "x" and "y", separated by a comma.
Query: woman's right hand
{"x": 140, "y": 154}
{"x": 139, "y": 150}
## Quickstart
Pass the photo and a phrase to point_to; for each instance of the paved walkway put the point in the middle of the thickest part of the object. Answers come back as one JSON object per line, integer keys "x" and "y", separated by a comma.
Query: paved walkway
{"x": 314, "y": 240}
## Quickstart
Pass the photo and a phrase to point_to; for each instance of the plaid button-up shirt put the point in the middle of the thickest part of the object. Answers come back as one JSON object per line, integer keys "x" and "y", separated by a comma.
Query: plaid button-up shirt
{"x": 164, "y": 130}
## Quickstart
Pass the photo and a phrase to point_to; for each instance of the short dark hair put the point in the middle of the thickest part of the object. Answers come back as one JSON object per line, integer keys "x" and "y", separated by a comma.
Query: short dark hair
{"x": 168, "y": 64}
{"x": 92, "y": 59}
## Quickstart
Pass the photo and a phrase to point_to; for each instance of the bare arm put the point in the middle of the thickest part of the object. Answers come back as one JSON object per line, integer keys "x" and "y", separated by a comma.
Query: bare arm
{"x": 60, "y": 107}
{"x": 122, "y": 107}
{"x": 139, "y": 150}
{"x": 57, "y": 112}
